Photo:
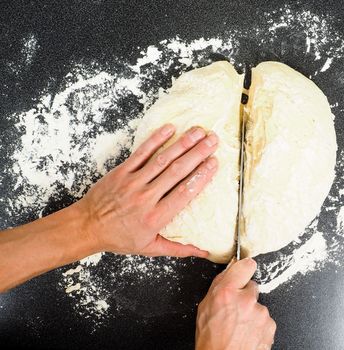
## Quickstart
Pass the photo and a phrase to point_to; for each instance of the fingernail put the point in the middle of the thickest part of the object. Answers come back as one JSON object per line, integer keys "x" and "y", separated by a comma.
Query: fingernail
{"x": 211, "y": 163}
{"x": 167, "y": 129}
{"x": 211, "y": 140}
{"x": 196, "y": 134}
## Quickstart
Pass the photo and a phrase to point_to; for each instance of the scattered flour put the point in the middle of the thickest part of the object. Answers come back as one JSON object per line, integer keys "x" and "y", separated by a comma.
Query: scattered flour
{"x": 91, "y": 260}
{"x": 307, "y": 258}
{"x": 310, "y": 34}
{"x": 340, "y": 220}
{"x": 72, "y": 137}
{"x": 92, "y": 293}
{"x": 327, "y": 64}
{"x": 29, "y": 47}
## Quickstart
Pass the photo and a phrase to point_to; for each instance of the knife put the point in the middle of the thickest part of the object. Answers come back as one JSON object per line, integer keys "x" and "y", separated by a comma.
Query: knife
{"x": 241, "y": 187}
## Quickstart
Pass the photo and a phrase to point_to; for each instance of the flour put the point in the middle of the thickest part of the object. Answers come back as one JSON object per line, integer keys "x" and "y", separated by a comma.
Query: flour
{"x": 308, "y": 257}
{"x": 310, "y": 34}
{"x": 92, "y": 293}
{"x": 29, "y": 47}
{"x": 340, "y": 220}
{"x": 327, "y": 64}
{"x": 73, "y": 136}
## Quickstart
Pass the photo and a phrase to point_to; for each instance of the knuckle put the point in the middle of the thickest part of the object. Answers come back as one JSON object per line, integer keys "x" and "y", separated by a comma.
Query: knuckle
{"x": 203, "y": 150}
{"x": 184, "y": 192}
{"x": 176, "y": 167}
{"x": 200, "y": 306}
{"x": 273, "y": 326}
{"x": 161, "y": 161}
{"x": 168, "y": 206}
{"x": 223, "y": 294}
{"x": 142, "y": 151}
{"x": 264, "y": 313}
{"x": 249, "y": 300}
{"x": 120, "y": 170}
{"x": 196, "y": 182}
{"x": 255, "y": 288}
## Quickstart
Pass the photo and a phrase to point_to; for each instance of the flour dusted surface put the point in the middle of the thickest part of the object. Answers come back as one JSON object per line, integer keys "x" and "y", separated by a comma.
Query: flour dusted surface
{"x": 91, "y": 103}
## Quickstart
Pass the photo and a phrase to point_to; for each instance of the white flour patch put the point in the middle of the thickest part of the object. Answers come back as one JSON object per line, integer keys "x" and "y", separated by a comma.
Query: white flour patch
{"x": 327, "y": 64}
{"x": 92, "y": 293}
{"x": 73, "y": 136}
{"x": 308, "y": 257}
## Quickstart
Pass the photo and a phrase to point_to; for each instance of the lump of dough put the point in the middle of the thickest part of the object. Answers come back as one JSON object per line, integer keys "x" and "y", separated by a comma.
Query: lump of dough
{"x": 290, "y": 157}
{"x": 209, "y": 97}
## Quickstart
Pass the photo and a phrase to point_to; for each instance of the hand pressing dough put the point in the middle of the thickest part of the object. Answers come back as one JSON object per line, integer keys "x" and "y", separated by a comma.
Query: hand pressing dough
{"x": 208, "y": 97}
{"x": 291, "y": 155}
{"x": 290, "y": 151}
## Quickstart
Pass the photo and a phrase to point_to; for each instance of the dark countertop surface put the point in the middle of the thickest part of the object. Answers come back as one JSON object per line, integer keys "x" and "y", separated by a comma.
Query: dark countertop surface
{"x": 148, "y": 313}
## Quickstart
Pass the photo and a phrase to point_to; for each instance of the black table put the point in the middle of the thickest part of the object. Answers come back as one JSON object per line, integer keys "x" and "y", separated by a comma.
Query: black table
{"x": 154, "y": 313}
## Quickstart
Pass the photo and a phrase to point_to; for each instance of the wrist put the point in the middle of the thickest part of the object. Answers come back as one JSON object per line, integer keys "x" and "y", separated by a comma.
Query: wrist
{"x": 96, "y": 226}
{"x": 80, "y": 223}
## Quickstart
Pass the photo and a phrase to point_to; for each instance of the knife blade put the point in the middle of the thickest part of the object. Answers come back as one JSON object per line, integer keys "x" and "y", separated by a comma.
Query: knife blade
{"x": 241, "y": 187}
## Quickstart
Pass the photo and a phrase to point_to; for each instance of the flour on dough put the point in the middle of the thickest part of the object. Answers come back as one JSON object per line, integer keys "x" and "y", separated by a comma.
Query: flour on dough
{"x": 208, "y": 97}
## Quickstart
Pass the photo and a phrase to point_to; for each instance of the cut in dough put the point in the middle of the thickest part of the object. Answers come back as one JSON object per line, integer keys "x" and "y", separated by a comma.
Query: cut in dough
{"x": 208, "y": 97}
{"x": 291, "y": 154}
{"x": 290, "y": 150}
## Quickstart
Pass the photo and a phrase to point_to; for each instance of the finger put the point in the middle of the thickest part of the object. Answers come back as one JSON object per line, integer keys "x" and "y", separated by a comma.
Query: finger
{"x": 156, "y": 165}
{"x": 219, "y": 277}
{"x": 164, "y": 247}
{"x": 252, "y": 290}
{"x": 184, "y": 165}
{"x": 149, "y": 147}
{"x": 231, "y": 263}
{"x": 180, "y": 197}
{"x": 240, "y": 273}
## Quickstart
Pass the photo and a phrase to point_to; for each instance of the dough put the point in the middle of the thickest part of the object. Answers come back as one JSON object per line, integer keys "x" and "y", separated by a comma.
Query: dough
{"x": 290, "y": 155}
{"x": 209, "y": 97}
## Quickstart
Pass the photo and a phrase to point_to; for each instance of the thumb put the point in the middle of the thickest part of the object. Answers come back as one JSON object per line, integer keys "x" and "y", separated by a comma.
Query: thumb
{"x": 239, "y": 273}
{"x": 162, "y": 246}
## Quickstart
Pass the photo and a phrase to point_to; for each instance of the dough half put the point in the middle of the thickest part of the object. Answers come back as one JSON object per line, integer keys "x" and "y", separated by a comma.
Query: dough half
{"x": 209, "y": 97}
{"x": 291, "y": 155}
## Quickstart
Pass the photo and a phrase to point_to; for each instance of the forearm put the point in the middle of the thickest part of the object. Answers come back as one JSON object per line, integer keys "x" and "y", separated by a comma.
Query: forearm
{"x": 43, "y": 245}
